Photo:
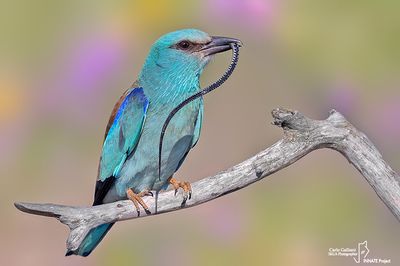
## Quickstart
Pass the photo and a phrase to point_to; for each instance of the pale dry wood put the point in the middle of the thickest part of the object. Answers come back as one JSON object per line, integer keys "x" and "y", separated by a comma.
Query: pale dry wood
{"x": 301, "y": 136}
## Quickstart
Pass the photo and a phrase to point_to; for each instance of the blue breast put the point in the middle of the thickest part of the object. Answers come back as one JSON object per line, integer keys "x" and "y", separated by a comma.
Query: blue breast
{"x": 140, "y": 171}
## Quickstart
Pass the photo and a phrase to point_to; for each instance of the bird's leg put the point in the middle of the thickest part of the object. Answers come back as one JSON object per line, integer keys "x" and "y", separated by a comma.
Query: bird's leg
{"x": 137, "y": 199}
{"x": 187, "y": 188}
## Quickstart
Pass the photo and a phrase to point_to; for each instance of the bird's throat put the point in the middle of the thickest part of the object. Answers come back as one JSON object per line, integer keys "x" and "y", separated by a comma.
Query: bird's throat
{"x": 170, "y": 89}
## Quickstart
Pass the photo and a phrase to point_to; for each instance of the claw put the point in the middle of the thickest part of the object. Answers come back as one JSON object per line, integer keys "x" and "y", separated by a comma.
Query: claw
{"x": 137, "y": 199}
{"x": 187, "y": 188}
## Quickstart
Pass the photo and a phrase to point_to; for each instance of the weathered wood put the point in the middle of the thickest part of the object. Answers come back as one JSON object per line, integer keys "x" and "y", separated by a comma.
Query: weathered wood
{"x": 301, "y": 136}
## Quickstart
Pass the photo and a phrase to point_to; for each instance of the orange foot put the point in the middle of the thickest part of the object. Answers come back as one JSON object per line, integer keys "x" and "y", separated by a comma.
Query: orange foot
{"x": 137, "y": 199}
{"x": 187, "y": 188}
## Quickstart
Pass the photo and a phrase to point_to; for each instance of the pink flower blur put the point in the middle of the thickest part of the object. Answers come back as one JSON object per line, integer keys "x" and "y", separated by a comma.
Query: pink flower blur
{"x": 256, "y": 14}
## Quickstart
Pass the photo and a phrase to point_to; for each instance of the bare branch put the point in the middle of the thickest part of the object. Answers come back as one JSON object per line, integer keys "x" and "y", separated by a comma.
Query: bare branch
{"x": 301, "y": 136}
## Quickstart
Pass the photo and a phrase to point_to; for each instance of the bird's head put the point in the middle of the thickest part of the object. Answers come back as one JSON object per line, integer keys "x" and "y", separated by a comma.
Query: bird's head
{"x": 181, "y": 56}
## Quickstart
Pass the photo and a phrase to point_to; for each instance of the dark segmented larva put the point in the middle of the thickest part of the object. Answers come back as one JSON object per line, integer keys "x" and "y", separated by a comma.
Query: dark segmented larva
{"x": 213, "y": 86}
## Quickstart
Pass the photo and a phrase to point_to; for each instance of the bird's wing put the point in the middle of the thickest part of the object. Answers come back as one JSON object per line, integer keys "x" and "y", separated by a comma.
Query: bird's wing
{"x": 122, "y": 135}
{"x": 196, "y": 134}
{"x": 199, "y": 122}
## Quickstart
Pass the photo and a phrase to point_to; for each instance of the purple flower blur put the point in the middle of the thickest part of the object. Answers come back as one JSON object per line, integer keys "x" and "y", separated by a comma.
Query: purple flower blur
{"x": 343, "y": 97}
{"x": 226, "y": 224}
{"x": 387, "y": 119}
{"x": 250, "y": 14}
{"x": 80, "y": 83}
{"x": 91, "y": 61}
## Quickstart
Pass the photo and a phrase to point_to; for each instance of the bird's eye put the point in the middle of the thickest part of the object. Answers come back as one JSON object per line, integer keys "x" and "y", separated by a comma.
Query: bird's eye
{"x": 184, "y": 45}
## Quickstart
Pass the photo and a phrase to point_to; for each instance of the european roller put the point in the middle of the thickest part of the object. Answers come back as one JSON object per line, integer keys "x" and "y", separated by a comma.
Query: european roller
{"x": 128, "y": 167}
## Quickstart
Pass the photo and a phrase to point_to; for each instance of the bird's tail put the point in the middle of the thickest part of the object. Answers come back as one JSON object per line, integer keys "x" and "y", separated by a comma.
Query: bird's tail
{"x": 92, "y": 239}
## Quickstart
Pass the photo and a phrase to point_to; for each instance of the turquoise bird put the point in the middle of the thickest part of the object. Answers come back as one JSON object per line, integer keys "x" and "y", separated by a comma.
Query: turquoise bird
{"x": 128, "y": 167}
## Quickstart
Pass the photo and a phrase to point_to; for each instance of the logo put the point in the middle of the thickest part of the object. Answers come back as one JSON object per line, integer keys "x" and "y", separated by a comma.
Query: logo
{"x": 362, "y": 251}
{"x": 360, "y": 254}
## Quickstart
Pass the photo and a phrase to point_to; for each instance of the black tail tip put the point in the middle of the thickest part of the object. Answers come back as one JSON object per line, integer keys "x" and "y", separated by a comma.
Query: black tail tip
{"x": 69, "y": 253}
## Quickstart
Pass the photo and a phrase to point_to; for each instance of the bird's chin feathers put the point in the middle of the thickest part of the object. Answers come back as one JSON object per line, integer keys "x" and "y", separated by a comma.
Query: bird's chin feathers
{"x": 206, "y": 59}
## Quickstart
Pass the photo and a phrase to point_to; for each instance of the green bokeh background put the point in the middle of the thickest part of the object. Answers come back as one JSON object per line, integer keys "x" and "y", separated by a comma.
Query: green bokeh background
{"x": 64, "y": 64}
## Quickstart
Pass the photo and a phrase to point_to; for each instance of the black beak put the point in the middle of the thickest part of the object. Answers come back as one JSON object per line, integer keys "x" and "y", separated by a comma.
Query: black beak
{"x": 219, "y": 45}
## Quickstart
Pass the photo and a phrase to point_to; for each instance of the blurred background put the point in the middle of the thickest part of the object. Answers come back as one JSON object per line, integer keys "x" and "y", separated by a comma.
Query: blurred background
{"x": 65, "y": 63}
